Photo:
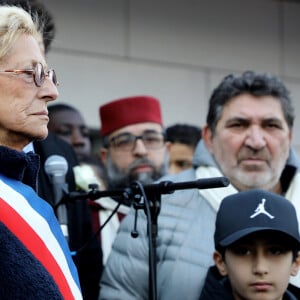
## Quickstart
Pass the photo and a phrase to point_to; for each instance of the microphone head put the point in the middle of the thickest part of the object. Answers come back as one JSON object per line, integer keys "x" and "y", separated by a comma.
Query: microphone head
{"x": 56, "y": 165}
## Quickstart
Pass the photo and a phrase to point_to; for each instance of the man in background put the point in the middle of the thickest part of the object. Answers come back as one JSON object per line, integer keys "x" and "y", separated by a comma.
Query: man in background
{"x": 183, "y": 140}
{"x": 134, "y": 149}
{"x": 134, "y": 146}
{"x": 67, "y": 122}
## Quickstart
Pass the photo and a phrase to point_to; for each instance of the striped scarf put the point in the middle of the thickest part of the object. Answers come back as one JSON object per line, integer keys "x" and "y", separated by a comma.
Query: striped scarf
{"x": 34, "y": 255}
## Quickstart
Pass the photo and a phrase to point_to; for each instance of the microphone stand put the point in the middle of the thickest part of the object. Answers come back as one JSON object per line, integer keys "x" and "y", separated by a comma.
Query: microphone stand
{"x": 152, "y": 209}
{"x": 139, "y": 196}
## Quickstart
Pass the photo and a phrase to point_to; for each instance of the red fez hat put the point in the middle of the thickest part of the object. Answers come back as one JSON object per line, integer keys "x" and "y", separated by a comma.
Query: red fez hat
{"x": 127, "y": 111}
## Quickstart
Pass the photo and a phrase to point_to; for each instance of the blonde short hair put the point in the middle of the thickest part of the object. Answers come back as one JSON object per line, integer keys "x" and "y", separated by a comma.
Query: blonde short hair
{"x": 15, "y": 21}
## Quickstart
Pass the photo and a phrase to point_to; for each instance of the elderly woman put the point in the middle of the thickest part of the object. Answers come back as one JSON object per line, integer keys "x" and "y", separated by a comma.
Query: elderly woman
{"x": 35, "y": 261}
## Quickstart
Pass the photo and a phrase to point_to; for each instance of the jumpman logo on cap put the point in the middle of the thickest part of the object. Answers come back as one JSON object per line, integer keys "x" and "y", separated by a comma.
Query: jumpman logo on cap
{"x": 261, "y": 210}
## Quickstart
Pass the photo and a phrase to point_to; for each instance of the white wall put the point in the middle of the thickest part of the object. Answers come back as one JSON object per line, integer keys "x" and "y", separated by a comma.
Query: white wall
{"x": 174, "y": 50}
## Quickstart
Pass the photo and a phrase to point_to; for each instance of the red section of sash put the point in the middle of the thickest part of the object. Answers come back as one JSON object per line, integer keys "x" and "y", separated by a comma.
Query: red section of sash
{"x": 24, "y": 232}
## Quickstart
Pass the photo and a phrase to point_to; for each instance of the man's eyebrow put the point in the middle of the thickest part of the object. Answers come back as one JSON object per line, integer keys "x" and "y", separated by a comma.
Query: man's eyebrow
{"x": 273, "y": 119}
{"x": 246, "y": 119}
{"x": 237, "y": 119}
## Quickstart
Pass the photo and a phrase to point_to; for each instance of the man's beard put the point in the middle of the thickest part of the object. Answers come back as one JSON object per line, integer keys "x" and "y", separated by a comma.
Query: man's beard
{"x": 118, "y": 179}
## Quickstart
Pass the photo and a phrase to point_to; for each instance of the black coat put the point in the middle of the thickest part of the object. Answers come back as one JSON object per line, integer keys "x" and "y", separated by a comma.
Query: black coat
{"x": 217, "y": 287}
{"x": 89, "y": 260}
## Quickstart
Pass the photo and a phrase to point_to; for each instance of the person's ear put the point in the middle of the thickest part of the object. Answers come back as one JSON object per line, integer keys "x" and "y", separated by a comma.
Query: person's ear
{"x": 168, "y": 146}
{"x": 220, "y": 263}
{"x": 291, "y": 135}
{"x": 207, "y": 137}
{"x": 103, "y": 154}
{"x": 296, "y": 265}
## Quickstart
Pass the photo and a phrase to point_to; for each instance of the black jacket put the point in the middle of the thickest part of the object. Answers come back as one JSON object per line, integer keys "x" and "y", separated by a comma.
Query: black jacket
{"x": 89, "y": 260}
{"x": 217, "y": 287}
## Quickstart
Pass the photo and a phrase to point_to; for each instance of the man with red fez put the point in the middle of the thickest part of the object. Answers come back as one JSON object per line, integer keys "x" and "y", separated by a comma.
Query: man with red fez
{"x": 134, "y": 148}
{"x": 133, "y": 139}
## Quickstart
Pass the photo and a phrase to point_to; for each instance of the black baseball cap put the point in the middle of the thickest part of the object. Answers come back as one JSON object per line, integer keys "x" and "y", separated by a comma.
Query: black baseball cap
{"x": 255, "y": 210}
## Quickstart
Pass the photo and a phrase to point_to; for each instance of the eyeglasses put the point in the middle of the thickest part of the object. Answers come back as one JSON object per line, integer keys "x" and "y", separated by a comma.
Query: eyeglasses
{"x": 38, "y": 74}
{"x": 127, "y": 141}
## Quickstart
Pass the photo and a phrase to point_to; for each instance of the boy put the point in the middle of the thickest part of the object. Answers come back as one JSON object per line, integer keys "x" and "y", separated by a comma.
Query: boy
{"x": 257, "y": 243}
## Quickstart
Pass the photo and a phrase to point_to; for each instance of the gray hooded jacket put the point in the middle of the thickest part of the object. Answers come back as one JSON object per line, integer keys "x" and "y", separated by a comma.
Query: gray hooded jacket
{"x": 184, "y": 244}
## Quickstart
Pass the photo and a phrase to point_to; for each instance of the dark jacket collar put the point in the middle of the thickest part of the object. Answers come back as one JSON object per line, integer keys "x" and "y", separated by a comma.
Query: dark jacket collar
{"x": 216, "y": 287}
{"x": 19, "y": 165}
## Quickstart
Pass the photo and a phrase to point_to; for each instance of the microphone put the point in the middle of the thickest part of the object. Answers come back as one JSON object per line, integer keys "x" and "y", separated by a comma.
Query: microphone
{"x": 168, "y": 187}
{"x": 163, "y": 187}
{"x": 56, "y": 168}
